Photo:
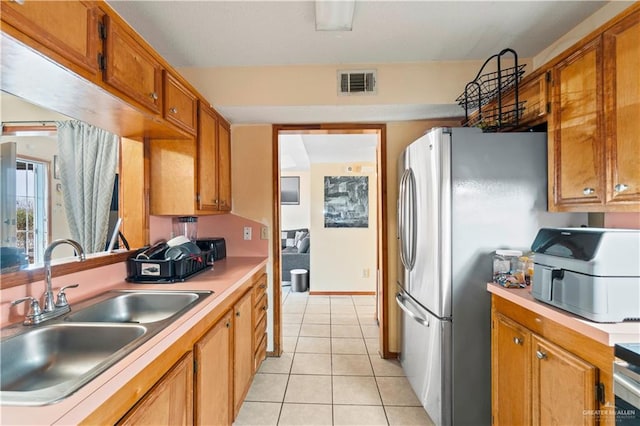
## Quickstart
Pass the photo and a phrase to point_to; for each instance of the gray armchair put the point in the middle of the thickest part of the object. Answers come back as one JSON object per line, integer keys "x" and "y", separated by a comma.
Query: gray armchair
{"x": 295, "y": 253}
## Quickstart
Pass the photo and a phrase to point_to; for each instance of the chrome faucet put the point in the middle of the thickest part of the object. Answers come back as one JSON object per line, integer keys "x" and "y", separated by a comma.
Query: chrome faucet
{"x": 50, "y": 309}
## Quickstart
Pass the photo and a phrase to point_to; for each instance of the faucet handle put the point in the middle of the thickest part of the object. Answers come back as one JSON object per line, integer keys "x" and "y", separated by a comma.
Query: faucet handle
{"x": 61, "y": 300}
{"x": 34, "y": 307}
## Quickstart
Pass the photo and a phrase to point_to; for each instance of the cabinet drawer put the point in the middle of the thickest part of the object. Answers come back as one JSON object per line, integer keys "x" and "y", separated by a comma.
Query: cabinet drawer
{"x": 260, "y": 289}
{"x": 259, "y": 331}
{"x": 180, "y": 105}
{"x": 261, "y": 352}
{"x": 260, "y": 309}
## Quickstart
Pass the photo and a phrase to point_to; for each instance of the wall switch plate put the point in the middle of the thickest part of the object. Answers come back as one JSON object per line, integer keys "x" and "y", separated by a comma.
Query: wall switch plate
{"x": 365, "y": 273}
{"x": 264, "y": 233}
{"x": 246, "y": 234}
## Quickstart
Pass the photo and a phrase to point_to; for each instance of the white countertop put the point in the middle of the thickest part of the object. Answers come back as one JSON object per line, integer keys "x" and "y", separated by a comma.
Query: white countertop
{"x": 223, "y": 280}
{"x": 606, "y": 333}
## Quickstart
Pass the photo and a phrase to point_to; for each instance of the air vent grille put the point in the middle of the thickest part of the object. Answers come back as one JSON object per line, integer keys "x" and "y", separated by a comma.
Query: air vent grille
{"x": 357, "y": 82}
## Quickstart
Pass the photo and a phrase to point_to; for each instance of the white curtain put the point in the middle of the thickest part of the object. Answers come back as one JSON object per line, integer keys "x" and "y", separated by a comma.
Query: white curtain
{"x": 88, "y": 159}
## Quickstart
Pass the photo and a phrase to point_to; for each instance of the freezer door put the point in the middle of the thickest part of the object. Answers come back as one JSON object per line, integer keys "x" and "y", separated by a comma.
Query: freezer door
{"x": 426, "y": 358}
{"x": 430, "y": 160}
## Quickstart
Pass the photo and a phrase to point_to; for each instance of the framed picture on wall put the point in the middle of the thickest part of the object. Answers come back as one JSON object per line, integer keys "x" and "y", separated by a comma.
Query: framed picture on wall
{"x": 290, "y": 190}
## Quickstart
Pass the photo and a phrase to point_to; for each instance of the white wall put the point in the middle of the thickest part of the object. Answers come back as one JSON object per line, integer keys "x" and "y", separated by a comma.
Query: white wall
{"x": 340, "y": 255}
{"x": 295, "y": 216}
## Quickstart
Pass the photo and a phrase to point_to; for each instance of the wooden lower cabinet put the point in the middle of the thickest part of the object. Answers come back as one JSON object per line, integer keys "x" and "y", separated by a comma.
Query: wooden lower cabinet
{"x": 511, "y": 372}
{"x": 563, "y": 386}
{"x": 242, "y": 349}
{"x": 260, "y": 307}
{"x": 213, "y": 379}
{"x": 169, "y": 402}
{"x": 545, "y": 374}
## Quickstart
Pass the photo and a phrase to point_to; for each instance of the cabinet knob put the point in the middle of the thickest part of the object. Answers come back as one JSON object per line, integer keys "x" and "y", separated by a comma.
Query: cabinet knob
{"x": 541, "y": 355}
{"x": 518, "y": 341}
{"x": 238, "y": 313}
{"x": 264, "y": 308}
{"x": 173, "y": 110}
{"x": 228, "y": 324}
{"x": 263, "y": 286}
{"x": 588, "y": 191}
{"x": 154, "y": 96}
{"x": 621, "y": 187}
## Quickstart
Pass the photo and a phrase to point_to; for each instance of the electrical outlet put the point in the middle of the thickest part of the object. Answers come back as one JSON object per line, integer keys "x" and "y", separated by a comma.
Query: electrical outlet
{"x": 264, "y": 233}
{"x": 246, "y": 234}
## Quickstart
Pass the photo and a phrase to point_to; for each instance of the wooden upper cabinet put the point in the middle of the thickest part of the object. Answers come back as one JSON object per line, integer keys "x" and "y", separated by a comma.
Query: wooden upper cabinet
{"x": 172, "y": 176}
{"x": 510, "y": 373}
{"x": 224, "y": 165}
{"x": 180, "y": 104}
{"x": 622, "y": 111}
{"x": 208, "y": 158}
{"x": 564, "y": 386}
{"x": 535, "y": 94}
{"x": 576, "y": 156}
{"x": 69, "y": 29}
{"x": 130, "y": 68}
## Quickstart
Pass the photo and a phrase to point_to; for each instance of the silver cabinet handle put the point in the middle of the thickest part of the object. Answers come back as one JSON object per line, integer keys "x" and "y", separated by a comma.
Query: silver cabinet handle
{"x": 541, "y": 355}
{"x": 518, "y": 341}
{"x": 173, "y": 110}
{"x": 621, "y": 187}
{"x": 154, "y": 96}
{"x": 588, "y": 191}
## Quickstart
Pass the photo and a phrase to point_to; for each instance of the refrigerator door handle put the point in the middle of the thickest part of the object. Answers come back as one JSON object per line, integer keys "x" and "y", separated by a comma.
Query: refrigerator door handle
{"x": 412, "y": 197}
{"x": 402, "y": 232}
{"x": 420, "y": 320}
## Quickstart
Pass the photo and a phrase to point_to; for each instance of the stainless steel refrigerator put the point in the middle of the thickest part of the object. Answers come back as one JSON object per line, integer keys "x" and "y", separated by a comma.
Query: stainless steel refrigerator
{"x": 462, "y": 194}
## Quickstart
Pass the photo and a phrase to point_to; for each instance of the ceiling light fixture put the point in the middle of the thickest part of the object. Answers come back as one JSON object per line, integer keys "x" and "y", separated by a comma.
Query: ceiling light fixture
{"x": 334, "y": 15}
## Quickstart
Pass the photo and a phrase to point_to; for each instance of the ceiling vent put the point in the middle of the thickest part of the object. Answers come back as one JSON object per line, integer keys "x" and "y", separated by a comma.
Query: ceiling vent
{"x": 362, "y": 82}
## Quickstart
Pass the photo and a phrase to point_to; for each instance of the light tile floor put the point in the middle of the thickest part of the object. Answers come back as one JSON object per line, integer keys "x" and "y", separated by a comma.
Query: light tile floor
{"x": 330, "y": 372}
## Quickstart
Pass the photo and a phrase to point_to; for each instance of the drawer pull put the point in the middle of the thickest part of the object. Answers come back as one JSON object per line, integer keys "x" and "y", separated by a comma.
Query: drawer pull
{"x": 621, "y": 187}
{"x": 541, "y": 355}
{"x": 173, "y": 110}
{"x": 588, "y": 191}
{"x": 518, "y": 341}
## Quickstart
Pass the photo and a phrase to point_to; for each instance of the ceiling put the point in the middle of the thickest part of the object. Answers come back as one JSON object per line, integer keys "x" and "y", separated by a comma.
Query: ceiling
{"x": 298, "y": 152}
{"x": 217, "y": 33}
{"x": 250, "y": 33}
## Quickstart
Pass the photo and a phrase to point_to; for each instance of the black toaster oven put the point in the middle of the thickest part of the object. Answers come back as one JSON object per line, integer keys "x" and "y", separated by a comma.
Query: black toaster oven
{"x": 215, "y": 245}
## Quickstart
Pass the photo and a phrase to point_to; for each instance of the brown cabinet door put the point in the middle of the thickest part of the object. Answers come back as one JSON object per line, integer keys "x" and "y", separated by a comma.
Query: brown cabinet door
{"x": 510, "y": 373}
{"x": 576, "y": 158}
{"x": 213, "y": 381}
{"x": 208, "y": 159}
{"x": 172, "y": 176}
{"x": 131, "y": 69}
{"x": 563, "y": 386}
{"x": 180, "y": 105}
{"x": 68, "y": 28}
{"x": 169, "y": 402}
{"x": 243, "y": 355}
{"x": 224, "y": 165}
{"x": 535, "y": 95}
{"x": 622, "y": 111}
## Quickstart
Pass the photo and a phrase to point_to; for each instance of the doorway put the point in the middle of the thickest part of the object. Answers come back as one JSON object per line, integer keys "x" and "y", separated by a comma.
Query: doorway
{"x": 342, "y": 217}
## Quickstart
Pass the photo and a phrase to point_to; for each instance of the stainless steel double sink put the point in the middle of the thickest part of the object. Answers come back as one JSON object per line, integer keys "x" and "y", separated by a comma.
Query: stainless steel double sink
{"x": 44, "y": 364}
